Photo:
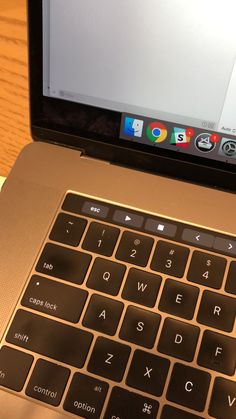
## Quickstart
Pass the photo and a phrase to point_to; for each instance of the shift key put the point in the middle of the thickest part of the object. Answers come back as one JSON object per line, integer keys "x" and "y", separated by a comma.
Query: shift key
{"x": 50, "y": 338}
{"x": 54, "y": 298}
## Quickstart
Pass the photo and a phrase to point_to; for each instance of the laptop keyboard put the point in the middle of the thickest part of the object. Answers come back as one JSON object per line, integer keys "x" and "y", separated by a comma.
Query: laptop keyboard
{"x": 126, "y": 316}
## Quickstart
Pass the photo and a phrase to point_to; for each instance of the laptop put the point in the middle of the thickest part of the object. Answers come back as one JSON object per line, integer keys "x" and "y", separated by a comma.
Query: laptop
{"x": 118, "y": 233}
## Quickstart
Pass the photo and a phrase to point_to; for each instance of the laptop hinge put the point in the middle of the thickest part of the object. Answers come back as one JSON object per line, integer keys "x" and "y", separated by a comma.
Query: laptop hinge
{"x": 93, "y": 159}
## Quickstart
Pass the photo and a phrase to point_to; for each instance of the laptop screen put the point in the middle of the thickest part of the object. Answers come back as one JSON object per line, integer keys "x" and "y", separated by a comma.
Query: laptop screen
{"x": 165, "y": 68}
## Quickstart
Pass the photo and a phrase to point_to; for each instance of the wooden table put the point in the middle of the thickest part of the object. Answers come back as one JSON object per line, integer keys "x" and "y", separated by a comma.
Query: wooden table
{"x": 14, "y": 113}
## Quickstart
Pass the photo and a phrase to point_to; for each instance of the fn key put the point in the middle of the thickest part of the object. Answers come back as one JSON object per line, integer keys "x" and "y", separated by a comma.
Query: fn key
{"x": 14, "y": 368}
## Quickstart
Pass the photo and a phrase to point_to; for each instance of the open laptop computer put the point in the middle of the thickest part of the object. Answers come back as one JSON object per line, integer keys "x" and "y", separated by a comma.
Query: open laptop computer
{"x": 118, "y": 233}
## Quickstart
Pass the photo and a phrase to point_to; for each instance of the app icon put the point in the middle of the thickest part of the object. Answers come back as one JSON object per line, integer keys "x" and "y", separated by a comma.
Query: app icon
{"x": 227, "y": 148}
{"x": 181, "y": 137}
{"x": 204, "y": 143}
{"x": 156, "y": 132}
{"x": 133, "y": 127}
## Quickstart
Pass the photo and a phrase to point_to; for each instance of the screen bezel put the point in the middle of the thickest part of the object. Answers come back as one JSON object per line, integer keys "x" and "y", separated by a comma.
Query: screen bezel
{"x": 97, "y": 135}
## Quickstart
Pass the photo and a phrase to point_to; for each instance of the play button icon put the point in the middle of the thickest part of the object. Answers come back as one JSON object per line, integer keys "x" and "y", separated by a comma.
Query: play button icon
{"x": 131, "y": 219}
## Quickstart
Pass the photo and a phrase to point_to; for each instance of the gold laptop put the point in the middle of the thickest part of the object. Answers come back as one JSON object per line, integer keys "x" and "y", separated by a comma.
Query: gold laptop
{"x": 118, "y": 231}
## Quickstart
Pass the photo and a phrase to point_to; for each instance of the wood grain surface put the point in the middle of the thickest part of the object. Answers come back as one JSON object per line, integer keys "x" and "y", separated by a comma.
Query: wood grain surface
{"x": 14, "y": 113}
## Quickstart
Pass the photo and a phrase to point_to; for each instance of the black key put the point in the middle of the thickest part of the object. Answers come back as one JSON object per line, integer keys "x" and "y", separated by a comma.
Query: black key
{"x": 95, "y": 209}
{"x": 206, "y": 269}
{"x": 47, "y": 382}
{"x": 140, "y": 326}
{"x": 217, "y": 311}
{"x": 223, "y": 399}
{"x": 50, "y": 338}
{"x": 54, "y": 298}
{"x": 101, "y": 238}
{"x": 126, "y": 405}
{"x": 148, "y": 373}
{"x": 109, "y": 359}
{"x": 68, "y": 229}
{"x": 170, "y": 412}
{"x": 178, "y": 339}
{"x": 218, "y": 352}
{"x": 189, "y": 387}
{"x": 14, "y": 368}
{"x": 106, "y": 276}
{"x": 134, "y": 248}
{"x": 231, "y": 279}
{"x": 79, "y": 204}
{"x": 86, "y": 396}
{"x": 63, "y": 263}
{"x": 170, "y": 259}
{"x": 141, "y": 287}
{"x": 179, "y": 299}
{"x": 103, "y": 314}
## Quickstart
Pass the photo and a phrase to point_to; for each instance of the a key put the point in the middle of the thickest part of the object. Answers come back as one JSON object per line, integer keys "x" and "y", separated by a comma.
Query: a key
{"x": 101, "y": 238}
{"x": 170, "y": 259}
{"x": 68, "y": 229}
{"x": 223, "y": 399}
{"x": 103, "y": 314}
{"x": 106, "y": 276}
{"x": 217, "y": 311}
{"x": 109, "y": 359}
{"x": 148, "y": 373}
{"x": 47, "y": 382}
{"x": 63, "y": 263}
{"x": 54, "y": 298}
{"x": 170, "y": 412}
{"x": 50, "y": 338}
{"x": 141, "y": 287}
{"x": 231, "y": 282}
{"x": 189, "y": 387}
{"x": 178, "y": 339}
{"x": 134, "y": 248}
{"x": 206, "y": 269}
{"x": 179, "y": 299}
{"x": 14, "y": 368}
{"x": 218, "y": 352}
{"x": 140, "y": 326}
{"x": 86, "y": 396}
{"x": 125, "y": 404}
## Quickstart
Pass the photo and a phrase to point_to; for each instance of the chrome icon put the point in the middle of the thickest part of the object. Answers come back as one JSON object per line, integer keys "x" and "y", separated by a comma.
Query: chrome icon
{"x": 156, "y": 132}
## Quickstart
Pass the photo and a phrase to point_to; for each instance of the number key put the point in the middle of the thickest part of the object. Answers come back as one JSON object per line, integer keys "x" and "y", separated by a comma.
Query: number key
{"x": 206, "y": 269}
{"x": 101, "y": 238}
{"x": 134, "y": 248}
{"x": 170, "y": 259}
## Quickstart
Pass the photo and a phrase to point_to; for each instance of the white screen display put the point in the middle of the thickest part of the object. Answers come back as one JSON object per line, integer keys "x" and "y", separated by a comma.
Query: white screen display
{"x": 173, "y": 60}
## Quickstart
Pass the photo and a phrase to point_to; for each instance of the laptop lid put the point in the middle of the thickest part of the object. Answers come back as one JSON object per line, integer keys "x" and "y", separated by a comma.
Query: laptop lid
{"x": 149, "y": 85}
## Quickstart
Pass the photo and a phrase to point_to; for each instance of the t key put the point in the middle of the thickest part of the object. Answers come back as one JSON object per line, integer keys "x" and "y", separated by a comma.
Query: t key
{"x": 170, "y": 259}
